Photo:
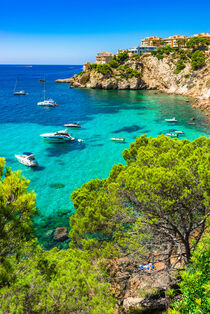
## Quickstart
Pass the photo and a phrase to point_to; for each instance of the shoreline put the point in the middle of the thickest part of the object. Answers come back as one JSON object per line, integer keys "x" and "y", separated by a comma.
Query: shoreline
{"x": 198, "y": 102}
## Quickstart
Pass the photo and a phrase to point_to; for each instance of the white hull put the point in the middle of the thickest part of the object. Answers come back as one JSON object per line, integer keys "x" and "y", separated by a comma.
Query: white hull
{"x": 172, "y": 134}
{"x": 25, "y": 161}
{"x": 118, "y": 139}
{"x": 58, "y": 137}
{"x": 171, "y": 120}
{"x": 20, "y": 93}
{"x": 46, "y": 103}
{"x": 72, "y": 125}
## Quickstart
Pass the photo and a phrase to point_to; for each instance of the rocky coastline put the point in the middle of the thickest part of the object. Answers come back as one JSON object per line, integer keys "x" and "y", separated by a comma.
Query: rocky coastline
{"x": 155, "y": 75}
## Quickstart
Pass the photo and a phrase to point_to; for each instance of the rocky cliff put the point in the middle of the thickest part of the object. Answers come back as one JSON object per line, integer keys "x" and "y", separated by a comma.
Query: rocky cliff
{"x": 155, "y": 74}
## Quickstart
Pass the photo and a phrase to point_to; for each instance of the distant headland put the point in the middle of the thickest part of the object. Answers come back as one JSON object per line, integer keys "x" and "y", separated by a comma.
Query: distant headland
{"x": 177, "y": 64}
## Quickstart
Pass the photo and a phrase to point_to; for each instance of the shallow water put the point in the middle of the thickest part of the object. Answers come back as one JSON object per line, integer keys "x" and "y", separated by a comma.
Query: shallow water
{"x": 102, "y": 114}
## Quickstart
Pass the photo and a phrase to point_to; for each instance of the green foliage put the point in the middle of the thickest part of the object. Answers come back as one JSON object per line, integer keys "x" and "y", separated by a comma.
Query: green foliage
{"x": 113, "y": 64}
{"x": 136, "y": 56}
{"x": 17, "y": 207}
{"x": 57, "y": 282}
{"x": 103, "y": 68}
{"x": 92, "y": 66}
{"x": 80, "y": 73}
{"x": 194, "y": 284}
{"x": 179, "y": 67}
{"x": 159, "y": 56}
{"x": 128, "y": 72}
{"x": 161, "y": 193}
{"x": 199, "y": 43}
{"x": 122, "y": 56}
{"x": 187, "y": 75}
{"x": 198, "y": 59}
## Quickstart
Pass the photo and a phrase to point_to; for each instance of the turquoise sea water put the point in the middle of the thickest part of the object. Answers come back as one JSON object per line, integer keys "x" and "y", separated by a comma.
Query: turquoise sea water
{"x": 102, "y": 114}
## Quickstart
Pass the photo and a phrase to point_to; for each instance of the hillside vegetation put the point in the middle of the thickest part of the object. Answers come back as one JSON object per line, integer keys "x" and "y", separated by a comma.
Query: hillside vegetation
{"x": 153, "y": 209}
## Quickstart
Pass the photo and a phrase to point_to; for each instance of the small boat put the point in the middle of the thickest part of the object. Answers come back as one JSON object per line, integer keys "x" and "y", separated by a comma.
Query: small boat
{"x": 118, "y": 139}
{"x": 18, "y": 93}
{"x": 27, "y": 159}
{"x": 171, "y": 120}
{"x": 179, "y": 132}
{"x": 80, "y": 140}
{"x": 42, "y": 81}
{"x": 72, "y": 125}
{"x": 47, "y": 102}
{"x": 172, "y": 134}
{"x": 59, "y": 136}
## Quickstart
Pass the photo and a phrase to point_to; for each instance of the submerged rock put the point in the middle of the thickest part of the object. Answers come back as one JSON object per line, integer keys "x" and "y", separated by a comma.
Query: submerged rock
{"x": 57, "y": 185}
{"x": 61, "y": 234}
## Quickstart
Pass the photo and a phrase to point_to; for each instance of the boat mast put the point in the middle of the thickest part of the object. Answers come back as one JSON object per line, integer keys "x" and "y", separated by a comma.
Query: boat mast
{"x": 15, "y": 86}
{"x": 44, "y": 90}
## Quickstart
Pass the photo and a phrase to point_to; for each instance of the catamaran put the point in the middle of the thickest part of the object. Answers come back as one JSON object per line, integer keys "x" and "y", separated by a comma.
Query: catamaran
{"x": 48, "y": 102}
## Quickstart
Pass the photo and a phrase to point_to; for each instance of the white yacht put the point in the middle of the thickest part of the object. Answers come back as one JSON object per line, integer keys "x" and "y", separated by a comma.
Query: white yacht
{"x": 18, "y": 93}
{"x": 72, "y": 125}
{"x": 172, "y": 134}
{"x": 27, "y": 159}
{"x": 48, "y": 102}
{"x": 179, "y": 132}
{"x": 59, "y": 136}
{"x": 171, "y": 120}
{"x": 117, "y": 139}
{"x": 21, "y": 92}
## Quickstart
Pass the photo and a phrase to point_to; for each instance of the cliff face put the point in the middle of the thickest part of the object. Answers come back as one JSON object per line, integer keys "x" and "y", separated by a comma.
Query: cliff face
{"x": 156, "y": 74}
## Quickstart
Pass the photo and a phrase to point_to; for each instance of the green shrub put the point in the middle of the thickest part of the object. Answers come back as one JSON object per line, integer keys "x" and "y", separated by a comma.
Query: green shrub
{"x": 122, "y": 56}
{"x": 103, "y": 68}
{"x": 179, "y": 67}
{"x": 135, "y": 73}
{"x": 159, "y": 56}
{"x": 198, "y": 59}
{"x": 92, "y": 66}
{"x": 194, "y": 285}
{"x": 113, "y": 64}
{"x": 187, "y": 75}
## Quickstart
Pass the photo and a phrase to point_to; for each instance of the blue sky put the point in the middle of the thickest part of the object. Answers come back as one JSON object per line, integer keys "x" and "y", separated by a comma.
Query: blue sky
{"x": 72, "y": 32}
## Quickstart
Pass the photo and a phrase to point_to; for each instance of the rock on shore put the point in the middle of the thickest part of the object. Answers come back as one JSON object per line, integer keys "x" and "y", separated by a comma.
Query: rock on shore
{"x": 156, "y": 74}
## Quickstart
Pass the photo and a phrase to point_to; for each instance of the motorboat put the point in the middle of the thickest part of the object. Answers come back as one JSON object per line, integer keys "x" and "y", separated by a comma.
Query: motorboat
{"x": 59, "y": 136}
{"x": 18, "y": 93}
{"x": 172, "y": 134}
{"x": 80, "y": 140}
{"x": 118, "y": 139}
{"x": 27, "y": 159}
{"x": 47, "y": 102}
{"x": 179, "y": 132}
{"x": 171, "y": 120}
{"x": 72, "y": 125}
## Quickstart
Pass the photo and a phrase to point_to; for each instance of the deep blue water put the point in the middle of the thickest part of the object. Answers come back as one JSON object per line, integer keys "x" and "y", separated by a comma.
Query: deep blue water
{"x": 102, "y": 114}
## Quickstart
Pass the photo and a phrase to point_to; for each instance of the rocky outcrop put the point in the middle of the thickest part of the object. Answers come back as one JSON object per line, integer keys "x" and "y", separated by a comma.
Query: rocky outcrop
{"x": 142, "y": 290}
{"x": 156, "y": 74}
{"x": 66, "y": 80}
